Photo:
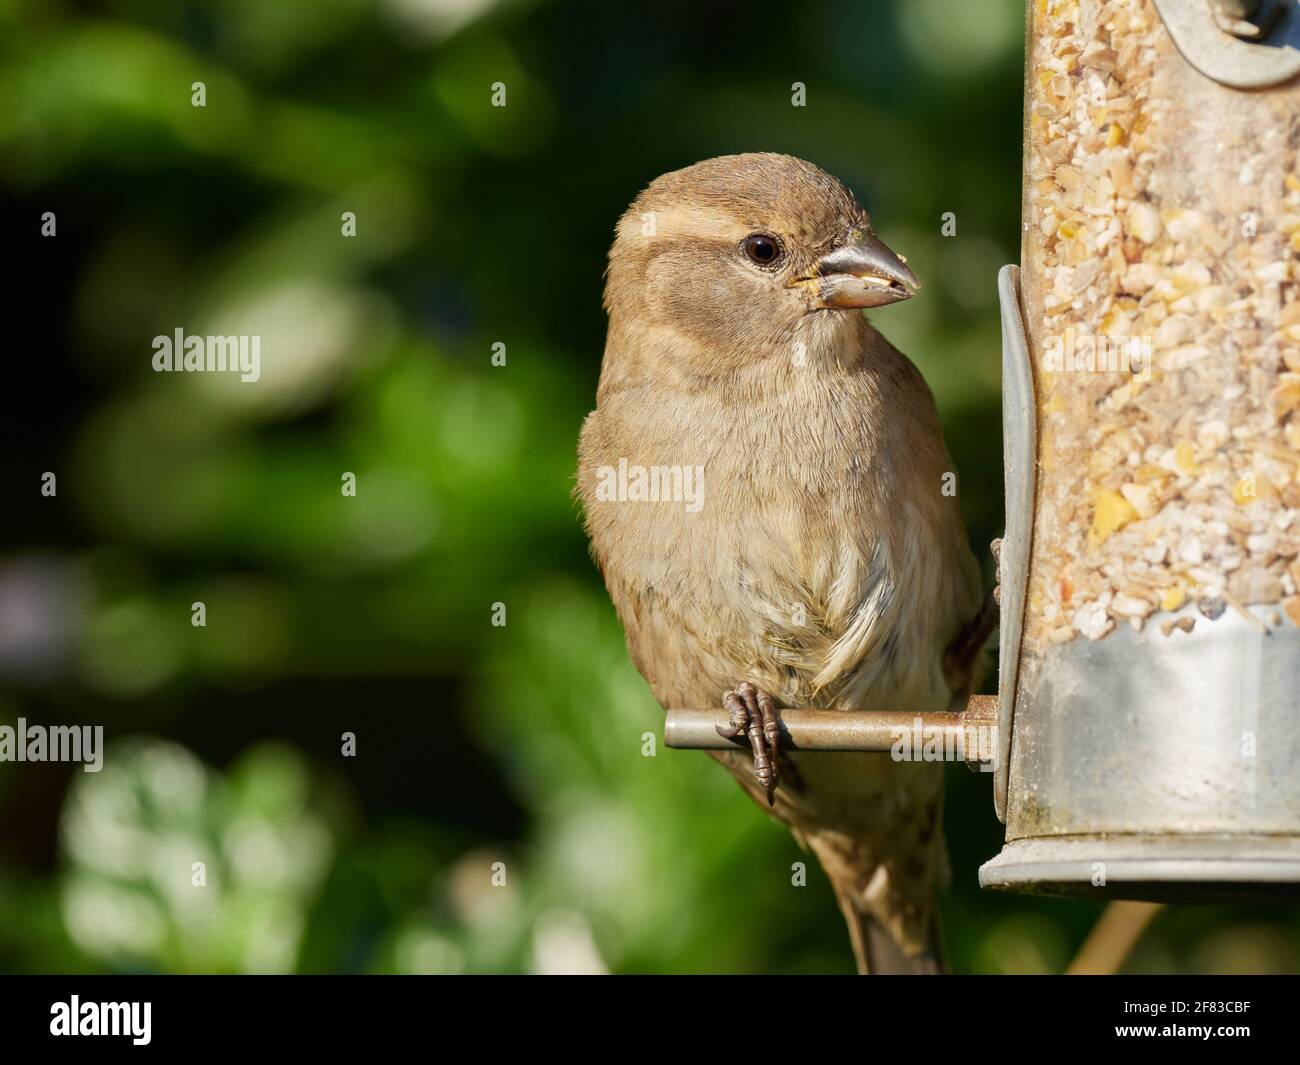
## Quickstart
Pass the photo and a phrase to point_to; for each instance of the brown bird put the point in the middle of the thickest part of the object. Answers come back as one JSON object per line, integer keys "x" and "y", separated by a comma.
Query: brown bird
{"x": 763, "y": 483}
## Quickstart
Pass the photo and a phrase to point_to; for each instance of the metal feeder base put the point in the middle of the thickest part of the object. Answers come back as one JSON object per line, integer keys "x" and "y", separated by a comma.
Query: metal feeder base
{"x": 1183, "y": 869}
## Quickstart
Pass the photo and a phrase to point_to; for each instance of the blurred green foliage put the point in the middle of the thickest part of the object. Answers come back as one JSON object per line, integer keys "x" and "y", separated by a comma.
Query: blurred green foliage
{"x": 513, "y": 753}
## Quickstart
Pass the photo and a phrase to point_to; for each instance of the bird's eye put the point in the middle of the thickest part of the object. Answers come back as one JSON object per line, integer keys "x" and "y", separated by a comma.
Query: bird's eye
{"x": 762, "y": 249}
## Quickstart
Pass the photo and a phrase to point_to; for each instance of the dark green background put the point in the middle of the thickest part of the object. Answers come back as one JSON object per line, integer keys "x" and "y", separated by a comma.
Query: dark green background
{"x": 326, "y": 614}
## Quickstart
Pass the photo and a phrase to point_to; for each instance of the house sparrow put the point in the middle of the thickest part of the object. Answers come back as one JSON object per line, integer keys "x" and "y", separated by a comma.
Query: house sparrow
{"x": 762, "y": 480}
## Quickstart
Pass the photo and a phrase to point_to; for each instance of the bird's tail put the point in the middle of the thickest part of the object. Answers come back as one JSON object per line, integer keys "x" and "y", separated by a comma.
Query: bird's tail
{"x": 879, "y": 953}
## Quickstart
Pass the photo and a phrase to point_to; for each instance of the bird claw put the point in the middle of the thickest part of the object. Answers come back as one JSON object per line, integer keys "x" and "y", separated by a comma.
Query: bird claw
{"x": 754, "y": 713}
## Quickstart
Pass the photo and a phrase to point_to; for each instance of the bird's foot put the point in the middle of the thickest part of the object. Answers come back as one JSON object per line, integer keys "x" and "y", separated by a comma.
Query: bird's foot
{"x": 959, "y": 658}
{"x": 754, "y": 713}
{"x": 996, "y": 548}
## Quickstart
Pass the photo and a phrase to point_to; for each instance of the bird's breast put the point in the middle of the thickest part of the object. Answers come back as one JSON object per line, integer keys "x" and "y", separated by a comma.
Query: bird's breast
{"x": 814, "y": 560}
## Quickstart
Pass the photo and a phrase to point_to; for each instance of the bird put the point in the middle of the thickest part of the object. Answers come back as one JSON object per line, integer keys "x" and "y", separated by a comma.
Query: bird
{"x": 766, "y": 491}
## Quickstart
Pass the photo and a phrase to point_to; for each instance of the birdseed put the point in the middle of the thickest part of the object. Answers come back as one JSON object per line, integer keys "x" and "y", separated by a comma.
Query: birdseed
{"x": 1162, "y": 221}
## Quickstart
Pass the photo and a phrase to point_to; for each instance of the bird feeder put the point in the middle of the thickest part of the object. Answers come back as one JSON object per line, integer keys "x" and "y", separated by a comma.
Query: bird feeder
{"x": 1145, "y": 739}
{"x": 1149, "y": 708}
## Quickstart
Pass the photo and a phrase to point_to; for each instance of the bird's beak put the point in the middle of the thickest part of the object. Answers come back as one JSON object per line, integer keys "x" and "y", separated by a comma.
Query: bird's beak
{"x": 861, "y": 273}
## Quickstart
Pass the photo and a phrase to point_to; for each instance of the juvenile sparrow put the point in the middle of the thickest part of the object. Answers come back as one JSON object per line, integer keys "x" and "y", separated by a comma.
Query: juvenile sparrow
{"x": 762, "y": 480}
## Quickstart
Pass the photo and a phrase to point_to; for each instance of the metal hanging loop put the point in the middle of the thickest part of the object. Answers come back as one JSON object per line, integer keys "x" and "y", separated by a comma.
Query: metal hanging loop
{"x": 1244, "y": 44}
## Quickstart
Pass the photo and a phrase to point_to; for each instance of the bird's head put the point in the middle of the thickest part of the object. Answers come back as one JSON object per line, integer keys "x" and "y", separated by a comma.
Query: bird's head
{"x": 734, "y": 253}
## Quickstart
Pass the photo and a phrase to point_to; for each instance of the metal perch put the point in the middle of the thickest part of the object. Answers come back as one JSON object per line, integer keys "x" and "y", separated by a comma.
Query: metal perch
{"x": 807, "y": 729}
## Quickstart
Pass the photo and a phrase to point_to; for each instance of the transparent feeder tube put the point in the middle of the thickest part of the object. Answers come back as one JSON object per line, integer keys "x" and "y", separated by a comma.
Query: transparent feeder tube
{"x": 1159, "y": 680}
